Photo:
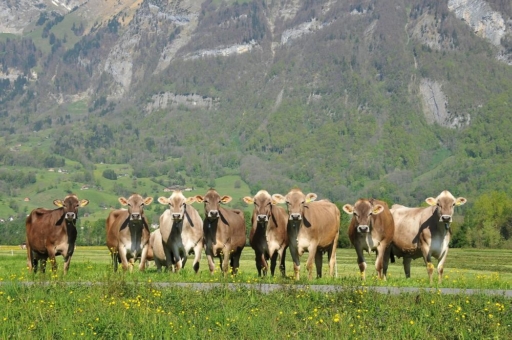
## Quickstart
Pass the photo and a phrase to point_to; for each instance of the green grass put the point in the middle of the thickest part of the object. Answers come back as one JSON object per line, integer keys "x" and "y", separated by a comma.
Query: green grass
{"x": 93, "y": 302}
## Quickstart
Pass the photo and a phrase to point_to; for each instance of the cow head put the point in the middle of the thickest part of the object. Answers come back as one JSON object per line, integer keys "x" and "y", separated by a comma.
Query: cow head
{"x": 70, "y": 206}
{"x": 362, "y": 212}
{"x": 296, "y": 202}
{"x": 262, "y": 205}
{"x": 135, "y": 205}
{"x": 445, "y": 204}
{"x": 177, "y": 203}
{"x": 212, "y": 201}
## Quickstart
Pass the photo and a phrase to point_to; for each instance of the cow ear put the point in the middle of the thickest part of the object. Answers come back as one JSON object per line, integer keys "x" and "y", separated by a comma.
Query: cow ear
{"x": 190, "y": 200}
{"x": 431, "y": 201}
{"x": 225, "y": 199}
{"x": 123, "y": 201}
{"x": 163, "y": 200}
{"x": 148, "y": 200}
{"x": 377, "y": 209}
{"x": 248, "y": 200}
{"x": 460, "y": 201}
{"x": 278, "y": 198}
{"x": 199, "y": 198}
{"x": 58, "y": 203}
{"x": 311, "y": 197}
{"x": 83, "y": 203}
{"x": 348, "y": 209}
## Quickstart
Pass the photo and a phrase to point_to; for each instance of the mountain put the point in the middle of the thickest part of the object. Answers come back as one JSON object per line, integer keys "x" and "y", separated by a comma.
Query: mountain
{"x": 392, "y": 99}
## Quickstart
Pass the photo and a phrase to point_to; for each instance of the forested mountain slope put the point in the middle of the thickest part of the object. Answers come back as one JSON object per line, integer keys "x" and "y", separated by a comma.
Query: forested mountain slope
{"x": 391, "y": 99}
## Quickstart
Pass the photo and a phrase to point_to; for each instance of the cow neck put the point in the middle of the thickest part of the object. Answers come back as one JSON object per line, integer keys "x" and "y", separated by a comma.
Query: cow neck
{"x": 127, "y": 222}
{"x": 62, "y": 218}
{"x": 189, "y": 219}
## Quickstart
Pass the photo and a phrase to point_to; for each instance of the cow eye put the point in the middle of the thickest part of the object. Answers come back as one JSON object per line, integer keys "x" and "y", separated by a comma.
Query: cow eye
{"x": 355, "y": 214}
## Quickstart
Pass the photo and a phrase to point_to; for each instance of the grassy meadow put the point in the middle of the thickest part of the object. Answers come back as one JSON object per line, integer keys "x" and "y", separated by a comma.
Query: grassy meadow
{"x": 93, "y": 302}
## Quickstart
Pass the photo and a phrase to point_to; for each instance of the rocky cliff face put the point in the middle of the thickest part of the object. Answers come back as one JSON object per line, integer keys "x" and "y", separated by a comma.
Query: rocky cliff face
{"x": 154, "y": 34}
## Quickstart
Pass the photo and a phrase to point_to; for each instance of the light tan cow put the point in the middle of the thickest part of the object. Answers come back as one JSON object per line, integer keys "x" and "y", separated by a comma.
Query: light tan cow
{"x": 312, "y": 227}
{"x": 372, "y": 229}
{"x": 128, "y": 232}
{"x": 156, "y": 250}
{"x": 181, "y": 227}
{"x": 52, "y": 232}
{"x": 268, "y": 236}
{"x": 424, "y": 232}
{"x": 224, "y": 231}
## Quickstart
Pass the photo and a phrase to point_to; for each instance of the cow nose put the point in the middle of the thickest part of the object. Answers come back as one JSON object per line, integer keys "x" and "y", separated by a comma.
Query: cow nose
{"x": 262, "y": 218}
{"x": 135, "y": 216}
{"x": 176, "y": 216}
{"x": 213, "y": 213}
{"x": 295, "y": 216}
{"x": 363, "y": 229}
{"x": 446, "y": 218}
{"x": 70, "y": 216}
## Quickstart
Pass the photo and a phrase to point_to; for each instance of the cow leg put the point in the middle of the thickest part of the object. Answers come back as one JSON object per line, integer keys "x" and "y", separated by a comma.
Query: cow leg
{"x": 30, "y": 259}
{"x": 264, "y": 262}
{"x": 407, "y": 266}
{"x": 273, "y": 262}
{"x": 197, "y": 257}
{"x": 282, "y": 266}
{"x": 385, "y": 261}
{"x": 67, "y": 262}
{"x": 258, "y": 260}
{"x": 318, "y": 265}
{"x": 142, "y": 264}
{"x": 440, "y": 265}
{"x": 361, "y": 262}
{"x": 124, "y": 260}
{"x": 331, "y": 256}
{"x": 236, "y": 260}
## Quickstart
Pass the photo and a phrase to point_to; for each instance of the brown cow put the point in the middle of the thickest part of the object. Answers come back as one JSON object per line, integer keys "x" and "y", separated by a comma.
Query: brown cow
{"x": 128, "y": 232}
{"x": 424, "y": 232}
{"x": 268, "y": 236}
{"x": 371, "y": 228}
{"x": 181, "y": 227}
{"x": 156, "y": 250}
{"x": 224, "y": 231}
{"x": 53, "y": 232}
{"x": 313, "y": 227}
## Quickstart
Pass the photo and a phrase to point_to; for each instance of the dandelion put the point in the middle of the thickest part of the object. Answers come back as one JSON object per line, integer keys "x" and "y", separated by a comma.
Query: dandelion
{"x": 411, "y": 322}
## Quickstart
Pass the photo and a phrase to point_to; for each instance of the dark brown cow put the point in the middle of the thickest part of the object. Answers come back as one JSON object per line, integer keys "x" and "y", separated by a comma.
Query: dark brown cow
{"x": 424, "y": 232}
{"x": 128, "y": 232}
{"x": 372, "y": 229}
{"x": 224, "y": 231}
{"x": 53, "y": 232}
{"x": 312, "y": 227}
{"x": 268, "y": 236}
{"x": 181, "y": 228}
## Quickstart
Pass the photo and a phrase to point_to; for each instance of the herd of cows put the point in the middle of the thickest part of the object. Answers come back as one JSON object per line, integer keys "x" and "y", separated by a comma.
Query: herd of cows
{"x": 306, "y": 225}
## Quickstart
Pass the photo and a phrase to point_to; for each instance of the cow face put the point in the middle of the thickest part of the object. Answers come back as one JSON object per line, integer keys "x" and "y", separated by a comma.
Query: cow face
{"x": 296, "y": 202}
{"x": 177, "y": 203}
{"x": 135, "y": 205}
{"x": 445, "y": 204}
{"x": 70, "y": 205}
{"x": 262, "y": 205}
{"x": 212, "y": 201}
{"x": 362, "y": 212}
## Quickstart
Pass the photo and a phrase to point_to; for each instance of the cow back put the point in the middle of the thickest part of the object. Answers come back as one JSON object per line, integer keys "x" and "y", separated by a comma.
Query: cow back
{"x": 232, "y": 225}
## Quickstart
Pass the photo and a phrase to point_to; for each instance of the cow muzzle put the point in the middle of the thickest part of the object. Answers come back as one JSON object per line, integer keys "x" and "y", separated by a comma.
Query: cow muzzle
{"x": 363, "y": 229}
{"x": 262, "y": 218}
{"x": 136, "y": 216}
{"x": 70, "y": 216}
{"x": 446, "y": 218}
{"x": 213, "y": 214}
{"x": 176, "y": 217}
{"x": 296, "y": 217}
